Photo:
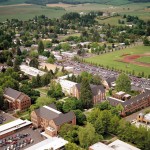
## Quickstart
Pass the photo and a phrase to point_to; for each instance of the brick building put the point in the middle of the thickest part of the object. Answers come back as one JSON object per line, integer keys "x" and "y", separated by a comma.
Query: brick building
{"x": 16, "y": 100}
{"x": 133, "y": 104}
{"x": 50, "y": 119}
{"x": 98, "y": 92}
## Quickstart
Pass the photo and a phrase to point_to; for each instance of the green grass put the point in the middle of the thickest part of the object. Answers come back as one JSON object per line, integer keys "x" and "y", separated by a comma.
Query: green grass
{"x": 28, "y": 12}
{"x": 109, "y": 59}
{"x": 111, "y": 21}
{"x": 145, "y": 59}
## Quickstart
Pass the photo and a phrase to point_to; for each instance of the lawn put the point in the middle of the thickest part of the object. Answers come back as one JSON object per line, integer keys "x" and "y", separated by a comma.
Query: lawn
{"x": 145, "y": 59}
{"x": 111, "y": 20}
{"x": 28, "y": 12}
{"x": 109, "y": 59}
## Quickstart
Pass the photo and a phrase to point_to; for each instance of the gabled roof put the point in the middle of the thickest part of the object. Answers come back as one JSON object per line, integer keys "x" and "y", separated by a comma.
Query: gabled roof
{"x": 12, "y": 93}
{"x": 114, "y": 101}
{"x": 47, "y": 112}
{"x": 64, "y": 118}
{"x": 51, "y": 113}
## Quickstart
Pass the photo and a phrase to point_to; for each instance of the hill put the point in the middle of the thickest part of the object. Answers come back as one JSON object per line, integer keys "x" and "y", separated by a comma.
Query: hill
{"x": 44, "y": 2}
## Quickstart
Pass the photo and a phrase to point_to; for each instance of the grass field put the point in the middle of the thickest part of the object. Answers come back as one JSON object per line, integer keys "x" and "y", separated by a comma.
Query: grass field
{"x": 109, "y": 59}
{"x": 25, "y": 12}
{"x": 28, "y": 12}
{"x": 145, "y": 59}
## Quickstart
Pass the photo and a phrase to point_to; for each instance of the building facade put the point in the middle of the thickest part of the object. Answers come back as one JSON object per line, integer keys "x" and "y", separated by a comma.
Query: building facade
{"x": 98, "y": 92}
{"x": 133, "y": 104}
{"x": 50, "y": 119}
{"x": 16, "y": 100}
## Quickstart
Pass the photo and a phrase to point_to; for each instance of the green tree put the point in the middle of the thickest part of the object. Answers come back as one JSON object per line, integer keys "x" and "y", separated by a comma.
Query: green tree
{"x": 86, "y": 94}
{"x": 40, "y": 47}
{"x": 72, "y": 146}
{"x": 80, "y": 117}
{"x": 19, "y": 51}
{"x": 88, "y": 136}
{"x": 55, "y": 90}
{"x": 41, "y": 101}
{"x": 9, "y": 61}
{"x": 34, "y": 63}
{"x": 123, "y": 83}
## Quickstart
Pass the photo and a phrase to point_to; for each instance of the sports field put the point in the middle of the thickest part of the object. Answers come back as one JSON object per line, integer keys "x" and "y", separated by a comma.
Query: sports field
{"x": 116, "y": 59}
{"x": 144, "y": 59}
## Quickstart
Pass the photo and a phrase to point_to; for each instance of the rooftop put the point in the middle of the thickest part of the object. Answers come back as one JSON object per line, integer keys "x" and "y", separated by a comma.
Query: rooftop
{"x": 120, "y": 145}
{"x": 53, "y": 143}
{"x": 31, "y": 70}
{"x": 100, "y": 146}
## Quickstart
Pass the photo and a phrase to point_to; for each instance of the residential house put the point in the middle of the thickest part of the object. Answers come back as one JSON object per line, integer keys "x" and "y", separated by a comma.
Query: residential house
{"x": 50, "y": 119}
{"x": 16, "y": 100}
{"x": 110, "y": 82}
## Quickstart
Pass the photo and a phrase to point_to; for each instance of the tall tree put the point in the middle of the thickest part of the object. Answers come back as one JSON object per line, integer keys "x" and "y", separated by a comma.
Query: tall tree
{"x": 123, "y": 83}
{"x": 86, "y": 94}
{"x": 40, "y": 47}
{"x": 34, "y": 63}
{"x": 88, "y": 136}
{"x": 19, "y": 51}
{"x": 9, "y": 61}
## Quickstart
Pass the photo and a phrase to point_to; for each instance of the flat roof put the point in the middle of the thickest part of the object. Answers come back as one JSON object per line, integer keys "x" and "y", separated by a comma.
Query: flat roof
{"x": 100, "y": 146}
{"x": 120, "y": 145}
{"x": 66, "y": 76}
{"x": 54, "y": 143}
{"x": 67, "y": 84}
{"x": 31, "y": 70}
{"x": 11, "y": 126}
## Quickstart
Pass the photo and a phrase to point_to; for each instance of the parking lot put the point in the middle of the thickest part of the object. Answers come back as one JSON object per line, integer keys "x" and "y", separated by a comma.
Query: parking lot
{"x": 5, "y": 118}
{"x": 21, "y": 140}
{"x": 104, "y": 73}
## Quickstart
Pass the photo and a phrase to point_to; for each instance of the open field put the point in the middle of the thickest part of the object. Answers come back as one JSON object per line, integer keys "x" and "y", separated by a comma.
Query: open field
{"x": 28, "y": 12}
{"x": 144, "y": 59}
{"x": 111, "y": 59}
{"x": 22, "y": 11}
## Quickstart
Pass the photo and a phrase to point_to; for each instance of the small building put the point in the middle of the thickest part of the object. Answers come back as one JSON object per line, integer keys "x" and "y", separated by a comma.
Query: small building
{"x": 100, "y": 146}
{"x": 42, "y": 58}
{"x": 68, "y": 54}
{"x": 144, "y": 118}
{"x": 54, "y": 143}
{"x": 119, "y": 95}
{"x": 50, "y": 119}
{"x": 16, "y": 100}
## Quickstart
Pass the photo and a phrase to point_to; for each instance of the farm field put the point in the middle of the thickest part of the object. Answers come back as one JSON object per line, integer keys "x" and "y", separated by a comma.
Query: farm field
{"x": 113, "y": 59}
{"x": 25, "y": 12}
{"x": 145, "y": 59}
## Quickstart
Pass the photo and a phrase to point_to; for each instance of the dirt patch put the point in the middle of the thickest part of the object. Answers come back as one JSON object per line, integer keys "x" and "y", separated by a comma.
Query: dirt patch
{"x": 16, "y": 5}
{"x": 132, "y": 59}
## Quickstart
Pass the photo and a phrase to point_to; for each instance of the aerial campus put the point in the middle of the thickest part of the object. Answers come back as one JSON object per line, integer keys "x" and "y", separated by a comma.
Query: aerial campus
{"x": 75, "y": 75}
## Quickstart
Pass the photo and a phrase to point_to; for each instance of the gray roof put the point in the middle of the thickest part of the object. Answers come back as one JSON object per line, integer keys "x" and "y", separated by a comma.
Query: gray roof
{"x": 12, "y": 93}
{"x": 64, "y": 118}
{"x": 110, "y": 80}
{"x": 46, "y": 113}
{"x": 114, "y": 101}
{"x": 95, "y": 88}
{"x": 58, "y": 118}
